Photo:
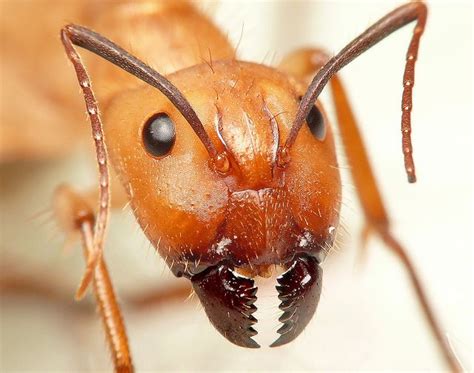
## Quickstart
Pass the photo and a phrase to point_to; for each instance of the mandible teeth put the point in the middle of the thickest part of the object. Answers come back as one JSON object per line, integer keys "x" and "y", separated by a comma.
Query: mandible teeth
{"x": 287, "y": 304}
{"x": 299, "y": 289}
{"x": 287, "y": 316}
{"x": 285, "y": 328}
{"x": 228, "y": 299}
{"x": 251, "y": 331}
{"x": 252, "y": 319}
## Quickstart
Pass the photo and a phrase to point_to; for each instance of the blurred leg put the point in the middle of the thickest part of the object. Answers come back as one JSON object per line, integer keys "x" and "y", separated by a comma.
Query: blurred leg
{"x": 19, "y": 284}
{"x": 75, "y": 216}
{"x": 304, "y": 64}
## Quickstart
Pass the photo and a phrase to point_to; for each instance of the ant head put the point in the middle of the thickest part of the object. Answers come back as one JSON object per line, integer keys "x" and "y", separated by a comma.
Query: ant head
{"x": 253, "y": 209}
{"x": 241, "y": 206}
{"x": 220, "y": 181}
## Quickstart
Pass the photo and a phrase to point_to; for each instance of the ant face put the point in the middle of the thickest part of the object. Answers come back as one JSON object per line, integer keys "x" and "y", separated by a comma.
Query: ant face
{"x": 254, "y": 214}
{"x": 243, "y": 191}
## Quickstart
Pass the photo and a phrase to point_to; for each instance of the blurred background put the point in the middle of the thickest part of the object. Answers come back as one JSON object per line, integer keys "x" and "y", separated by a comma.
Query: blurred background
{"x": 368, "y": 318}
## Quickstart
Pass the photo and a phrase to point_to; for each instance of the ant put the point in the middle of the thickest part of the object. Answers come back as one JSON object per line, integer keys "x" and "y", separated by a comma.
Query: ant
{"x": 230, "y": 168}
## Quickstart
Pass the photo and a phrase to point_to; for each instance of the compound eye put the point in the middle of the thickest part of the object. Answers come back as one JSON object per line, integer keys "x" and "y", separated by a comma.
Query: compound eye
{"x": 159, "y": 135}
{"x": 316, "y": 123}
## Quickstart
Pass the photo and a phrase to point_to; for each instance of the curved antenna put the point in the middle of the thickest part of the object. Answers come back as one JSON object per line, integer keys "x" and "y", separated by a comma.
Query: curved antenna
{"x": 103, "y": 47}
{"x": 77, "y": 35}
{"x": 94, "y": 248}
{"x": 379, "y": 31}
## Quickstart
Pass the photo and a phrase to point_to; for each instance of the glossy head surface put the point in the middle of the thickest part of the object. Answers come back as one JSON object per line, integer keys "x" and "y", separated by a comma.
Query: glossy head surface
{"x": 257, "y": 213}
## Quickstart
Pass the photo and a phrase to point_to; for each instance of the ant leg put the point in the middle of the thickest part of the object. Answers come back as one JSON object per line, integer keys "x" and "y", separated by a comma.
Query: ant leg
{"x": 303, "y": 64}
{"x": 76, "y": 217}
{"x": 74, "y": 211}
{"x": 155, "y": 298}
{"x": 20, "y": 284}
{"x": 24, "y": 284}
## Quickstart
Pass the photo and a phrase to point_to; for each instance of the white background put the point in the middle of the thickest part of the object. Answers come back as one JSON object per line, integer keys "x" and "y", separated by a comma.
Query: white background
{"x": 368, "y": 318}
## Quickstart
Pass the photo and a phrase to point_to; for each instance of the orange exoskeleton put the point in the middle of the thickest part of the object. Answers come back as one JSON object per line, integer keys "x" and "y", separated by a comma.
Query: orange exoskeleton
{"x": 230, "y": 166}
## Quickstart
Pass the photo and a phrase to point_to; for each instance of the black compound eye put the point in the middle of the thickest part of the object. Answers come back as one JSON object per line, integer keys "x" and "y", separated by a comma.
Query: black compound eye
{"x": 159, "y": 135}
{"x": 316, "y": 123}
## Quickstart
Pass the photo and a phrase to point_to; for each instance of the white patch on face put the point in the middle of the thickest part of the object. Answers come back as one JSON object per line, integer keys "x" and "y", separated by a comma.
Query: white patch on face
{"x": 305, "y": 239}
{"x": 331, "y": 229}
{"x": 303, "y": 242}
{"x": 222, "y": 244}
